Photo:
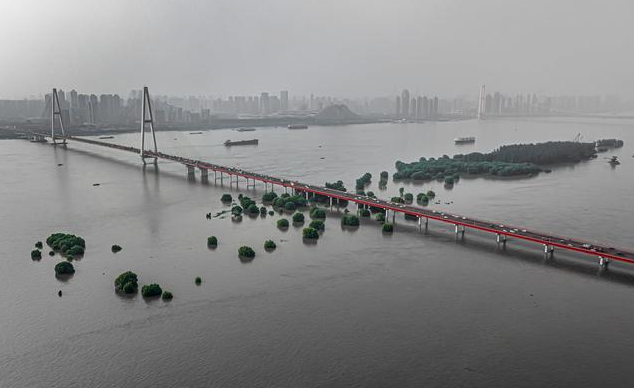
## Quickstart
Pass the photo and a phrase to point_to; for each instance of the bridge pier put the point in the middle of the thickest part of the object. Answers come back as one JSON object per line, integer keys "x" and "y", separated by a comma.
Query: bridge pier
{"x": 191, "y": 170}
{"x": 548, "y": 250}
{"x": 460, "y": 230}
{"x": 252, "y": 185}
{"x": 500, "y": 238}
{"x": 603, "y": 262}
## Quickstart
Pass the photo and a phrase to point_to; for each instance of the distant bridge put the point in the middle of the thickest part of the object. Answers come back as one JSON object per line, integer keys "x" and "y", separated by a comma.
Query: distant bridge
{"x": 603, "y": 253}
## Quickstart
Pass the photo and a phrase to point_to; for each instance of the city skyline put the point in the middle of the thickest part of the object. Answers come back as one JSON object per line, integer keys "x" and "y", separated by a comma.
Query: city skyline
{"x": 236, "y": 47}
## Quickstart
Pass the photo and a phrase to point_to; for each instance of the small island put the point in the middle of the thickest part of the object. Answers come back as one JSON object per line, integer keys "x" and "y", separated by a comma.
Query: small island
{"x": 212, "y": 241}
{"x": 68, "y": 245}
{"x": 298, "y": 218}
{"x": 151, "y": 290}
{"x": 310, "y": 233}
{"x": 126, "y": 283}
{"x": 508, "y": 160}
{"x": 64, "y": 268}
{"x": 269, "y": 245}
{"x": 246, "y": 252}
{"x": 317, "y": 224}
{"x": 349, "y": 220}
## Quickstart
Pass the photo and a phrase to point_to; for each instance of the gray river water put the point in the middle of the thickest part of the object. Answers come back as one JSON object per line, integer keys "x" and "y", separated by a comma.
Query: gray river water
{"x": 356, "y": 309}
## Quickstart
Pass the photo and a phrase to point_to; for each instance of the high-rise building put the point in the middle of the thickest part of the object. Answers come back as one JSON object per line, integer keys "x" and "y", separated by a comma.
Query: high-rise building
{"x": 284, "y": 100}
{"x": 398, "y": 105}
{"x": 405, "y": 102}
{"x": 419, "y": 107}
{"x": 264, "y": 103}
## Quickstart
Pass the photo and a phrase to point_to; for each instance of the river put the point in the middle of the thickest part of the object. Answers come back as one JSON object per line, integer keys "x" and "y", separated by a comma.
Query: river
{"x": 356, "y": 309}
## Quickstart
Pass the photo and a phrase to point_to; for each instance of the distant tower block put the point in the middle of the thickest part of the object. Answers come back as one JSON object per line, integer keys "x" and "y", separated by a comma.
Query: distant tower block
{"x": 56, "y": 111}
{"x": 147, "y": 117}
{"x": 481, "y": 102}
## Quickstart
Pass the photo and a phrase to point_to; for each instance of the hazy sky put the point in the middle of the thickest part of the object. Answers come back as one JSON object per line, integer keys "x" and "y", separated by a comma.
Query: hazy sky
{"x": 327, "y": 47}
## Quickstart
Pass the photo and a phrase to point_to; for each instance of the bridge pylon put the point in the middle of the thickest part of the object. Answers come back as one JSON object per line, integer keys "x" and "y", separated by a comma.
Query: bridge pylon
{"x": 147, "y": 117}
{"x": 56, "y": 111}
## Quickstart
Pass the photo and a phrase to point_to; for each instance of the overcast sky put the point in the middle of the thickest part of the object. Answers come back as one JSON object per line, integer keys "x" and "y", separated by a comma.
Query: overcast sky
{"x": 327, "y": 47}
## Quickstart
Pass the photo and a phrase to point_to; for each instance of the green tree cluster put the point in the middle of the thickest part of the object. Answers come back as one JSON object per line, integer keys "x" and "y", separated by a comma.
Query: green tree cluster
{"x": 282, "y": 223}
{"x": 212, "y": 241}
{"x": 226, "y": 198}
{"x": 269, "y": 245}
{"x": 317, "y": 213}
{"x": 298, "y": 218}
{"x": 116, "y": 248}
{"x": 68, "y": 245}
{"x": 36, "y": 254}
{"x": 388, "y": 228}
{"x": 127, "y": 282}
{"x": 349, "y": 220}
{"x": 310, "y": 233}
{"x": 317, "y": 224}
{"x": 269, "y": 196}
{"x": 364, "y": 212}
{"x": 167, "y": 295}
{"x": 363, "y": 181}
{"x": 150, "y": 290}
{"x": 64, "y": 268}
{"x": 245, "y": 251}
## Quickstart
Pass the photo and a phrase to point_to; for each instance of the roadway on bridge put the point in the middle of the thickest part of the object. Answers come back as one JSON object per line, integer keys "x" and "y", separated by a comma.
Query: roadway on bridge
{"x": 500, "y": 229}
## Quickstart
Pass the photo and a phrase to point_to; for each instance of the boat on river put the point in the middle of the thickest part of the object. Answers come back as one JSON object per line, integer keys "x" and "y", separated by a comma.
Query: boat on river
{"x": 464, "y": 140}
{"x": 229, "y": 143}
{"x": 297, "y": 126}
{"x": 246, "y": 129}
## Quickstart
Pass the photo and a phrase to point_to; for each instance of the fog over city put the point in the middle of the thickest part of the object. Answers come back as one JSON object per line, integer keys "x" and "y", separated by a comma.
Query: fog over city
{"x": 329, "y": 47}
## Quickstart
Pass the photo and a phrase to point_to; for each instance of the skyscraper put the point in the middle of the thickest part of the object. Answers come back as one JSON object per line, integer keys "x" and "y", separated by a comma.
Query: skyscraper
{"x": 398, "y": 105}
{"x": 405, "y": 102}
{"x": 284, "y": 100}
{"x": 264, "y": 103}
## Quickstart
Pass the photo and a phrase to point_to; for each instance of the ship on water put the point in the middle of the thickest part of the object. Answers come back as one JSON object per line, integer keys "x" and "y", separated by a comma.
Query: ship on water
{"x": 229, "y": 143}
{"x": 246, "y": 129}
{"x": 464, "y": 140}
{"x": 297, "y": 126}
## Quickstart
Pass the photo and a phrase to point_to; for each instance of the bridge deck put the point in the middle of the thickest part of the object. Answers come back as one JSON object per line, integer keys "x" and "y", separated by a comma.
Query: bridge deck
{"x": 576, "y": 245}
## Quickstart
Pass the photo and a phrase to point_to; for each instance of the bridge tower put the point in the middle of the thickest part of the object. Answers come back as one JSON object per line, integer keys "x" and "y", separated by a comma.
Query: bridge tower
{"x": 482, "y": 102}
{"x": 147, "y": 117}
{"x": 56, "y": 111}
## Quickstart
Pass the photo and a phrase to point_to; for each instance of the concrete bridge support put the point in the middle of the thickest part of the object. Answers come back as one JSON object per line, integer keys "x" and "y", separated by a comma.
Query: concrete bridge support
{"x": 603, "y": 262}
{"x": 460, "y": 230}
{"x": 191, "y": 172}
{"x": 549, "y": 250}
{"x": 500, "y": 238}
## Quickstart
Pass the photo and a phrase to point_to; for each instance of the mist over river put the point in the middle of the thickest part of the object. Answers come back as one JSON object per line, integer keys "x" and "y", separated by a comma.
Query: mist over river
{"x": 356, "y": 309}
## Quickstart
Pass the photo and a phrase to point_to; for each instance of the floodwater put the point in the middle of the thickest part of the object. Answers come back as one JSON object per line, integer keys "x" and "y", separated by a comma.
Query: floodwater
{"x": 356, "y": 309}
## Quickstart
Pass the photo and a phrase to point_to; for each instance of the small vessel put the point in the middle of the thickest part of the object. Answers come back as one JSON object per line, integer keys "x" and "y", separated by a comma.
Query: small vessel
{"x": 297, "y": 126}
{"x": 614, "y": 161}
{"x": 106, "y": 137}
{"x": 196, "y": 133}
{"x": 246, "y": 129}
{"x": 464, "y": 140}
{"x": 37, "y": 139}
{"x": 229, "y": 143}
